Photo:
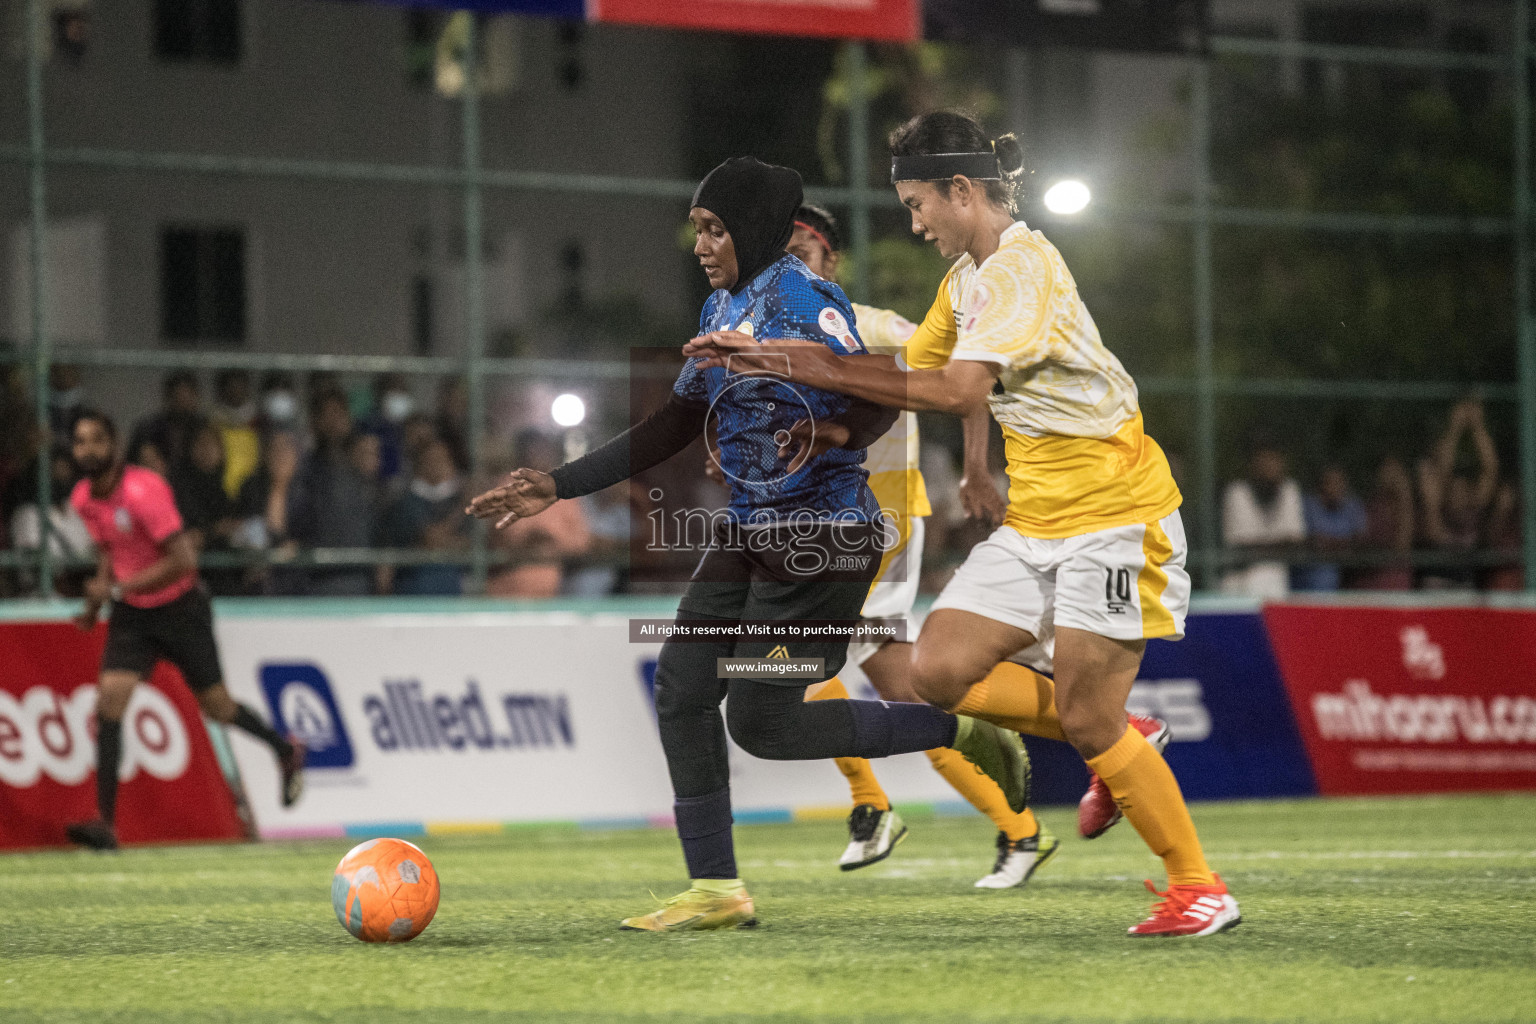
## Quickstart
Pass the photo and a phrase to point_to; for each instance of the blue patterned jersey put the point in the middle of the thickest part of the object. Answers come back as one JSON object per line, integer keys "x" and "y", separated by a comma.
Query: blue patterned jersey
{"x": 749, "y": 412}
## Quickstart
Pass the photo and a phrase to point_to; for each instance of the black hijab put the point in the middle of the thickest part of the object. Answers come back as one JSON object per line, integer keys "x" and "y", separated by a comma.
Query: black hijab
{"x": 756, "y": 202}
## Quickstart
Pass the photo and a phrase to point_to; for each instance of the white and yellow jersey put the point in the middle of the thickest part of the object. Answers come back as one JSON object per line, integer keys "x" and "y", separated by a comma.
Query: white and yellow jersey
{"x": 1078, "y": 460}
{"x": 892, "y": 460}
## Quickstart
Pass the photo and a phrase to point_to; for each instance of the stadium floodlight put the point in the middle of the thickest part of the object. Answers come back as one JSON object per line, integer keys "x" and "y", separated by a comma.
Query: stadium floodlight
{"x": 568, "y": 410}
{"x": 1067, "y": 197}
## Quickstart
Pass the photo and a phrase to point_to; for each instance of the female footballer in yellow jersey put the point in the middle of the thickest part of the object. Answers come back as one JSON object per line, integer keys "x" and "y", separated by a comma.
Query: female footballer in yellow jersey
{"x": 874, "y": 828}
{"x": 1091, "y": 554}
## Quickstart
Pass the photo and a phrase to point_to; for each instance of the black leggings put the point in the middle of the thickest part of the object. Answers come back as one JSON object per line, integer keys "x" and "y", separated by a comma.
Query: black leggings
{"x": 755, "y": 578}
{"x": 768, "y": 720}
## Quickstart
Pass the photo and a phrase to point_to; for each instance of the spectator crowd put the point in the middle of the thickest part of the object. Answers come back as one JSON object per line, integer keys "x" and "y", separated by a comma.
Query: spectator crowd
{"x": 294, "y": 490}
{"x": 293, "y": 493}
{"x": 1450, "y": 520}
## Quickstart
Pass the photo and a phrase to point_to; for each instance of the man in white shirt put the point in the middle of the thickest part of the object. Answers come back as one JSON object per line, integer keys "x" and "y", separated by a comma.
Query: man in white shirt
{"x": 1263, "y": 510}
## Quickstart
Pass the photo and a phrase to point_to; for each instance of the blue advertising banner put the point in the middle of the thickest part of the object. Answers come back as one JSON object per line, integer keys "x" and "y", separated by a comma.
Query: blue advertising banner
{"x": 1219, "y": 690}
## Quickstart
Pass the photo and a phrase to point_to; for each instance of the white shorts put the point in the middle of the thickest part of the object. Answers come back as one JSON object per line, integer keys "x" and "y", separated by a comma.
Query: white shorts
{"x": 894, "y": 592}
{"x": 1126, "y": 583}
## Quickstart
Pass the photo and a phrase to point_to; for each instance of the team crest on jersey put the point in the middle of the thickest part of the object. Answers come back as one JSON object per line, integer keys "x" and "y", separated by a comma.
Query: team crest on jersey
{"x": 981, "y": 298}
{"x": 746, "y": 328}
{"x": 121, "y": 518}
{"x": 834, "y": 324}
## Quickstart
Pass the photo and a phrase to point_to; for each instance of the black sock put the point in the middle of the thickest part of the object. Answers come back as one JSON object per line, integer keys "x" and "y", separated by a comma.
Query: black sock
{"x": 251, "y": 722}
{"x": 109, "y": 756}
{"x": 882, "y": 728}
{"x": 704, "y": 826}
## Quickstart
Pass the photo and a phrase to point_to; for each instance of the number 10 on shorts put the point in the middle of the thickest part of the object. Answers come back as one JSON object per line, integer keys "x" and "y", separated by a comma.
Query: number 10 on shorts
{"x": 1117, "y": 590}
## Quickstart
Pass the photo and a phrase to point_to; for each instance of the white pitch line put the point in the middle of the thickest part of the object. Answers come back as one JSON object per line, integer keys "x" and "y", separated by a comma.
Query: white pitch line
{"x": 1217, "y": 855}
{"x": 1374, "y": 854}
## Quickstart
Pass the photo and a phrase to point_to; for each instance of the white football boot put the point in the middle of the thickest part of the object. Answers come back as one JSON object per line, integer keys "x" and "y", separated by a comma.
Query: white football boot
{"x": 1017, "y": 861}
{"x": 872, "y": 835}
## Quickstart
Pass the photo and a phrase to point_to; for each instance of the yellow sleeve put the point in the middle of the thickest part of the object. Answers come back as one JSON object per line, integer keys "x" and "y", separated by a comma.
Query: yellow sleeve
{"x": 883, "y": 331}
{"x": 1007, "y": 308}
{"x": 930, "y": 345}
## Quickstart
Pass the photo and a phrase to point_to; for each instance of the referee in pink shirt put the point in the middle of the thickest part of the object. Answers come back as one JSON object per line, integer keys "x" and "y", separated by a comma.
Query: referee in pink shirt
{"x": 148, "y": 570}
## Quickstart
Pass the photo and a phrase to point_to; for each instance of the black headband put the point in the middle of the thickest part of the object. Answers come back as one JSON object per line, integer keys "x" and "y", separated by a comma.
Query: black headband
{"x": 933, "y": 166}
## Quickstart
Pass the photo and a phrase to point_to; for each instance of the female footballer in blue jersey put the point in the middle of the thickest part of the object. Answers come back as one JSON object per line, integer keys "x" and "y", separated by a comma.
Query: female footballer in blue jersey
{"x": 801, "y": 541}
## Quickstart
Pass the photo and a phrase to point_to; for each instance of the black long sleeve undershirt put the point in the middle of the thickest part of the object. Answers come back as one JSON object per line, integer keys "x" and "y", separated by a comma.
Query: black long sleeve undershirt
{"x": 672, "y": 428}
{"x": 648, "y": 443}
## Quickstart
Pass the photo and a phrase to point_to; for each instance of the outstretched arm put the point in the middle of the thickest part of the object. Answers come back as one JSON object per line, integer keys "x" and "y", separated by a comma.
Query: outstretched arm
{"x": 957, "y": 387}
{"x": 653, "y": 440}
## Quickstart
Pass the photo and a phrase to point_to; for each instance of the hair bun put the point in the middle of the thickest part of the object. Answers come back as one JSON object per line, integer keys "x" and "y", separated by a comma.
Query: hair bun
{"x": 1010, "y": 154}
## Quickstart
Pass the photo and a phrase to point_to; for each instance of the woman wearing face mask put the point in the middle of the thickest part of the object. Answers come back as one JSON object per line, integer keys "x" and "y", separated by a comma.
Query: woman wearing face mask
{"x": 277, "y": 406}
{"x": 393, "y": 404}
{"x": 788, "y": 505}
{"x": 1091, "y": 553}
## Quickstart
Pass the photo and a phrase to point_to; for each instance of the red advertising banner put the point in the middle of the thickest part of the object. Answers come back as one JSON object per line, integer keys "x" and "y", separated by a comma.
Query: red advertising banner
{"x": 1392, "y": 700}
{"x": 887, "y": 20}
{"x": 172, "y": 788}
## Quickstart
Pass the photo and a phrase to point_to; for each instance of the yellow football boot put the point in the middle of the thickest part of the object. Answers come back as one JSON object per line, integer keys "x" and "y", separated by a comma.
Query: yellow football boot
{"x": 697, "y": 910}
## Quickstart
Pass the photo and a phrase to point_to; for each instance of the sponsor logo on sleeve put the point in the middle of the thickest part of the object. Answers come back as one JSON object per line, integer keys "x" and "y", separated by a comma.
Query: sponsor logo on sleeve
{"x": 836, "y": 325}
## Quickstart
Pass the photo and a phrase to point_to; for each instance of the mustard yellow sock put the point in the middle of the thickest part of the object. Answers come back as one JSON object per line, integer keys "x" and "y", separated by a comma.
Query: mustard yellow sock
{"x": 1016, "y": 698}
{"x": 1148, "y": 794}
{"x": 982, "y": 793}
{"x": 862, "y": 784}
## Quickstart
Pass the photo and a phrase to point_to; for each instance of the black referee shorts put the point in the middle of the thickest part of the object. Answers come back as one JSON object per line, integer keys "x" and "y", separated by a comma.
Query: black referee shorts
{"x": 181, "y": 632}
{"x": 819, "y": 574}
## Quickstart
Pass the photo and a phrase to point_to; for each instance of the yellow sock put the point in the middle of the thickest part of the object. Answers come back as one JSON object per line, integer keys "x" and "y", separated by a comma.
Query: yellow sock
{"x": 866, "y": 789}
{"x": 982, "y": 793}
{"x": 1148, "y": 794}
{"x": 1016, "y": 698}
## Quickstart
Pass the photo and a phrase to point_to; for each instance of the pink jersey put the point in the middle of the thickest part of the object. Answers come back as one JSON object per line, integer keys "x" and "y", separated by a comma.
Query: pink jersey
{"x": 130, "y": 525}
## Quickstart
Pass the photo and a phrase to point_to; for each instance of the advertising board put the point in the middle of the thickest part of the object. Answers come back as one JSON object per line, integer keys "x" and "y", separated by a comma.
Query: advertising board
{"x": 1411, "y": 700}
{"x": 171, "y": 785}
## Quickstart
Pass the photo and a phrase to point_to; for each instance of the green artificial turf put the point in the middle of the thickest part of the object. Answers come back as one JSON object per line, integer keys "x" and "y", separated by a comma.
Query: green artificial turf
{"x": 1399, "y": 910}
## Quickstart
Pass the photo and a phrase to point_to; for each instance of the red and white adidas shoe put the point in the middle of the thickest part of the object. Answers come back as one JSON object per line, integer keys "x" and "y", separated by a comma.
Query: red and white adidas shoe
{"x": 1097, "y": 811}
{"x": 1191, "y": 910}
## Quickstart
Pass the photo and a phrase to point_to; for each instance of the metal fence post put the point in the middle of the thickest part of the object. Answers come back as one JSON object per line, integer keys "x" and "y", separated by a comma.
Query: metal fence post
{"x": 474, "y": 287}
{"x": 1525, "y": 327}
{"x": 41, "y": 354}
{"x": 858, "y": 167}
{"x": 1205, "y": 362}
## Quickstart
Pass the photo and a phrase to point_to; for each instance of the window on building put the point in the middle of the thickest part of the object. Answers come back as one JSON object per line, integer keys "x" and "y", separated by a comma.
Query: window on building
{"x": 202, "y": 284}
{"x": 71, "y": 29}
{"x": 198, "y": 30}
{"x": 1386, "y": 25}
{"x": 573, "y": 71}
{"x": 436, "y": 44}
{"x": 421, "y": 314}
